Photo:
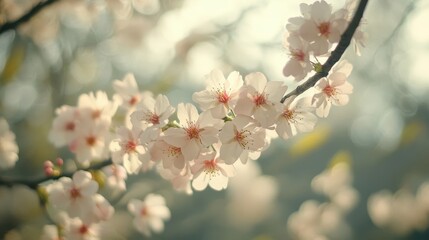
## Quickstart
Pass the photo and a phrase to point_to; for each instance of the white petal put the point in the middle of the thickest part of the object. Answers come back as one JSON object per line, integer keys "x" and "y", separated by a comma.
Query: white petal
{"x": 257, "y": 80}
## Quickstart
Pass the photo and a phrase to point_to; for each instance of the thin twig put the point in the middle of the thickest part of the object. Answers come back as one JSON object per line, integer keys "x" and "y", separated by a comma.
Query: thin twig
{"x": 35, "y": 183}
{"x": 344, "y": 42}
{"x": 26, "y": 17}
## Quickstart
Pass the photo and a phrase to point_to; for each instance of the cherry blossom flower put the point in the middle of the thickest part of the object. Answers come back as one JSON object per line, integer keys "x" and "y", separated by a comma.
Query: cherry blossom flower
{"x": 8, "y": 146}
{"x": 197, "y": 131}
{"x": 76, "y": 229}
{"x": 91, "y": 142}
{"x": 102, "y": 210}
{"x": 64, "y": 126}
{"x": 149, "y": 214}
{"x": 239, "y": 136}
{"x": 316, "y": 220}
{"x": 295, "y": 115}
{"x": 151, "y": 115}
{"x": 115, "y": 177}
{"x": 220, "y": 94}
{"x": 97, "y": 106}
{"x": 127, "y": 150}
{"x": 171, "y": 156}
{"x": 322, "y": 27}
{"x": 127, "y": 91}
{"x": 74, "y": 196}
{"x": 334, "y": 89}
{"x": 210, "y": 170}
{"x": 299, "y": 64}
{"x": 399, "y": 212}
{"x": 258, "y": 98}
{"x": 335, "y": 183}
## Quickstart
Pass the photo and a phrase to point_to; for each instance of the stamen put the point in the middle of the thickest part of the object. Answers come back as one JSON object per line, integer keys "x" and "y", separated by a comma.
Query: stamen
{"x": 324, "y": 29}
{"x": 259, "y": 99}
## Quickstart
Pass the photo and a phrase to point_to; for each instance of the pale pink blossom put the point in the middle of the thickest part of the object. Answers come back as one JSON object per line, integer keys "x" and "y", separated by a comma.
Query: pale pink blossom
{"x": 74, "y": 195}
{"x": 171, "y": 156}
{"x": 209, "y": 170}
{"x": 127, "y": 91}
{"x": 299, "y": 64}
{"x": 258, "y": 98}
{"x": 64, "y": 126}
{"x": 76, "y": 229}
{"x": 127, "y": 150}
{"x": 399, "y": 212}
{"x": 102, "y": 210}
{"x": 197, "y": 131}
{"x": 8, "y": 147}
{"x": 334, "y": 89}
{"x": 97, "y": 106}
{"x": 115, "y": 177}
{"x": 150, "y": 214}
{"x": 316, "y": 220}
{"x": 151, "y": 115}
{"x": 220, "y": 95}
{"x": 294, "y": 116}
{"x": 91, "y": 142}
{"x": 319, "y": 25}
{"x": 336, "y": 183}
{"x": 240, "y": 136}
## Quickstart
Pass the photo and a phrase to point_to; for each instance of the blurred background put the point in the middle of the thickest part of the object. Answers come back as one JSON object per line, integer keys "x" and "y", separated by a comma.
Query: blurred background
{"x": 74, "y": 47}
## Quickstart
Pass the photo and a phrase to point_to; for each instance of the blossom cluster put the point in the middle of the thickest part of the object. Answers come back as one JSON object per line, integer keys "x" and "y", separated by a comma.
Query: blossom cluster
{"x": 325, "y": 220}
{"x": 238, "y": 120}
{"x": 77, "y": 208}
{"x": 401, "y": 212}
{"x": 315, "y": 34}
{"x": 192, "y": 146}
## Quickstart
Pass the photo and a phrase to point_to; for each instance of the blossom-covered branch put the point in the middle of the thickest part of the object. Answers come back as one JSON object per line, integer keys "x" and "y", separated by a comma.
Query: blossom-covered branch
{"x": 344, "y": 42}
{"x": 192, "y": 146}
{"x": 26, "y": 17}
{"x": 35, "y": 182}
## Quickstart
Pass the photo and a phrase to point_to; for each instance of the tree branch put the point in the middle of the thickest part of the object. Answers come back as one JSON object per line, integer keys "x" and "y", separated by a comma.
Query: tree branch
{"x": 35, "y": 183}
{"x": 344, "y": 42}
{"x": 26, "y": 17}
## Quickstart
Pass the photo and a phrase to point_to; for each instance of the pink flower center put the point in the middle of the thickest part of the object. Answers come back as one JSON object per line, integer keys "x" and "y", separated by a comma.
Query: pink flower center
{"x": 222, "y": 97}
{"x": 70, "y": 126}
{"x": 298, "y": 55}
{"x": 154, "y": 119}
{"x": 329, "y": 91}
{"x": 91, "y": 140}
{"x": 130, "y": 146}
{"x": 133, "y": 100}
{"x": 259, "y": 99}
{"x": 324, "y": 29}
{"x": 241, "y": 138}
{"x": 115, "y": 171}
{"x": 288, "y": 114}
{"x": 193, "y": 131}
{"x": 83, "y": 229}
{"x": 210, "y": 165}
{"x": 144, "y": 211}
{"x": 174, "y": 151}
{"x": 74, "y": 193}
{"x": 96, "y": 114}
